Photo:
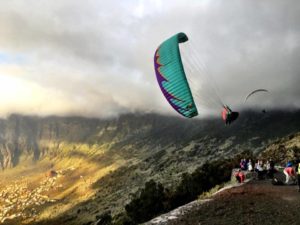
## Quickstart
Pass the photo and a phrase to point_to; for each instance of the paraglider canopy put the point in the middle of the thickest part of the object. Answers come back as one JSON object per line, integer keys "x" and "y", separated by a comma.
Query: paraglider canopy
{"x": 261, "y": 101}
{"x": 175, "y": 85}
{"x": 255, "y": 91}
{"x": 171, "y": 76}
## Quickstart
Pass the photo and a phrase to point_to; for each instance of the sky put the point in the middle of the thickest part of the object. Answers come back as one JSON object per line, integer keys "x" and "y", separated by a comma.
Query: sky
{"x": 94, "y": 58}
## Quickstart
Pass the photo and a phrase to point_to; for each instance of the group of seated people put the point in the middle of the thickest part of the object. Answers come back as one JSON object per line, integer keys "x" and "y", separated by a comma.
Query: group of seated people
{"x": 267, "y": 170}
{"x": 261, "y": 169}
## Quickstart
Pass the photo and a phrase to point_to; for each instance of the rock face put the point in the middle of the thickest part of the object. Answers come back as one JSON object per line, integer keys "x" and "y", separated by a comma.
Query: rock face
{"x": 30, "y": 137}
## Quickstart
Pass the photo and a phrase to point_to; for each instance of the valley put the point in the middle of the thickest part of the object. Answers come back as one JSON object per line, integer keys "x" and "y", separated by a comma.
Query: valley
{"x": 97, "y": 165}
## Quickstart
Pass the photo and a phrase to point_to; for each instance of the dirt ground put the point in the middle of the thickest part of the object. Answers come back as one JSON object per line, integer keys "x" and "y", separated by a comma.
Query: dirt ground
{"x": 257, "y": 202}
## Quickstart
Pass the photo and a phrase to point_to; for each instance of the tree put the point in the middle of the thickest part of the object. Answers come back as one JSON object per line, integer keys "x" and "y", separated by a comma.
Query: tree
{"x": 148, "y": 204}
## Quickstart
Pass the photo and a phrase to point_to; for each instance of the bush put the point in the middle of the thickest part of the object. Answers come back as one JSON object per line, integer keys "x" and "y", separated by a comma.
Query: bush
{"x": 104, "y": 219}
{"x": 154, "y": 199}
{"x": 149, "y": 204}
{"x": 123, "y": 219}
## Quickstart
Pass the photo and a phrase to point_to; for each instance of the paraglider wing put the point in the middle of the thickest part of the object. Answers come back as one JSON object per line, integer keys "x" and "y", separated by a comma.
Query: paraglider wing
{"x": 171, "y": 76}
{"x": 255, "y": 91}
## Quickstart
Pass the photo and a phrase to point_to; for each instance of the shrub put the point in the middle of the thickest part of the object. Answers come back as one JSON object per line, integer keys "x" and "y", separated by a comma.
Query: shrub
{"x": 148, "y": 204}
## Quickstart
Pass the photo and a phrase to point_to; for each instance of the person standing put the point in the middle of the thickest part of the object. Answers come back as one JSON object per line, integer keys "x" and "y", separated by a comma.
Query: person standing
{"x": 298, "y": 174}
{"x": 250, "y": 165}
{"x": 272, "y": 169}
{"x": 259, "y": 170}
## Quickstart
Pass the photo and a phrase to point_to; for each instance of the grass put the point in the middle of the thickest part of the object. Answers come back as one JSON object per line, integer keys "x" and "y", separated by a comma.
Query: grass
{"x": 212, "y": 191}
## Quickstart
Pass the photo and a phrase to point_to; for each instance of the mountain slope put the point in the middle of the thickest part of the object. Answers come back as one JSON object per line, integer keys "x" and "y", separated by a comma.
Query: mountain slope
{"x": 257, "y": 202}
{"x": 104, "y": 161}
{"x": 252, "y": 203}
{"x": 35, "y": 138}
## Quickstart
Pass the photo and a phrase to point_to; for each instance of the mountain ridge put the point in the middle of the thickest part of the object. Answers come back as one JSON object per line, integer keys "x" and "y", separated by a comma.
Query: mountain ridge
{"x": 102, "y": 163}
{"x": 32, "y": 135}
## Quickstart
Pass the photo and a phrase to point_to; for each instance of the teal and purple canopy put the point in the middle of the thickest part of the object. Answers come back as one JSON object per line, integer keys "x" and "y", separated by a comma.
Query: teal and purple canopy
{"x": 171, "y": 76}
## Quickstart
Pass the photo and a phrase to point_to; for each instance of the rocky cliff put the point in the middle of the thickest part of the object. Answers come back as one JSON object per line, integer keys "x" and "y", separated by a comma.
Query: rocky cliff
{"x": 101, "y": 163}
{"x": 32, "y": 138}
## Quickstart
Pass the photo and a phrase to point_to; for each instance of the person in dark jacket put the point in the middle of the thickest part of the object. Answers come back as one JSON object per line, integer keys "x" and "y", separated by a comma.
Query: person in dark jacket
{"x": 298, "y": 174}
{"x": 271, "y": 170}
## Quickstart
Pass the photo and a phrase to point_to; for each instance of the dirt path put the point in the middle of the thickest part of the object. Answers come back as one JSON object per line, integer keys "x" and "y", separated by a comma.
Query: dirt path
{"x": 257, "y": 202}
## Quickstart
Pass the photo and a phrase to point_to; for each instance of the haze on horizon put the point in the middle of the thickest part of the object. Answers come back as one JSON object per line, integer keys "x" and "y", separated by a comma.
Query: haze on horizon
{"x": 95, "y": 58}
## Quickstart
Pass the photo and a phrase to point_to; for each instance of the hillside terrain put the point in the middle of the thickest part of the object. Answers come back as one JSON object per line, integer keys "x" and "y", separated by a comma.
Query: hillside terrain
{"x": 257, "y": 202}
{"x": 100, "y": 163}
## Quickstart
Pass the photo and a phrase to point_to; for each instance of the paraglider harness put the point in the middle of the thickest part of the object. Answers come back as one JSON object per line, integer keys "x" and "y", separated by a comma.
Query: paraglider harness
{"x": 228, "y": 115}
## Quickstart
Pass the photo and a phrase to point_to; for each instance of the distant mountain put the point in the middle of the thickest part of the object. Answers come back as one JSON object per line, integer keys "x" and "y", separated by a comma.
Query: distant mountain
{"x": 33, "y": 137}
{"x": 112, "y": 158}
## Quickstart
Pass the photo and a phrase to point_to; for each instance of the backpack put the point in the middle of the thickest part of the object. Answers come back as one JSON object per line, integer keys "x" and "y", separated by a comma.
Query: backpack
{"x": 277, "y": 182}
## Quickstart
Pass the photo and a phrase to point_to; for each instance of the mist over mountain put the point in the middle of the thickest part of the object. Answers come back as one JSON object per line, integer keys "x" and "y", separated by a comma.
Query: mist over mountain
{"x": 30, "y": 137}
{"x": 101, "y": 163}
{"x": 116, "y": 65}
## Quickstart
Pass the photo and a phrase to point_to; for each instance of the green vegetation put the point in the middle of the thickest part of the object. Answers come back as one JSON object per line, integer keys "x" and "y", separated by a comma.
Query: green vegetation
{"x": 154, "y": 199}
{"x": 283, "y": 150}
{"x": 111, "y": 159}
{"x": 149, "y": 203}
{"x": 209, "y": 193}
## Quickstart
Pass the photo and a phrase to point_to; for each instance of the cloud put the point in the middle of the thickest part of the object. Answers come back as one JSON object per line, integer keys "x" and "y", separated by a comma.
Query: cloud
{"x": 95, "y": 58}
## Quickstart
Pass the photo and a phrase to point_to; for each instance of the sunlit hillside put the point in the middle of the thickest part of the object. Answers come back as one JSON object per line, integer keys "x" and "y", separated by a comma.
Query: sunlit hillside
{"x": 70, "y": 170}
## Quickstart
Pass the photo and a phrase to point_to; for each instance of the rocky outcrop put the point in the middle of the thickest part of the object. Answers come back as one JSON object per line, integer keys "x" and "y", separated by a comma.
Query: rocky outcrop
{"x": 284, "y": 149}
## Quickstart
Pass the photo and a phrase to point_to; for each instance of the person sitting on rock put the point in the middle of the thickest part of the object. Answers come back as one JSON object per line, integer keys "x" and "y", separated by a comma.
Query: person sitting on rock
{"x": 240, "y": 176}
